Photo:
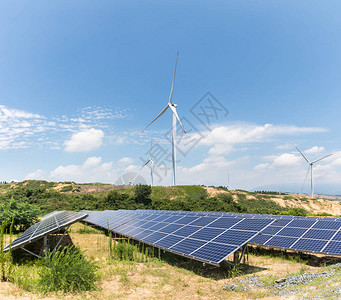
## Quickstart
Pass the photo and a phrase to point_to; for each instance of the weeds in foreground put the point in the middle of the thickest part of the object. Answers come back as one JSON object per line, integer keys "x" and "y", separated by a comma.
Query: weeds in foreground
{"x": 67, "y": 270}
{"x": 6, "y": 260}
{"x": 124, "y": 250}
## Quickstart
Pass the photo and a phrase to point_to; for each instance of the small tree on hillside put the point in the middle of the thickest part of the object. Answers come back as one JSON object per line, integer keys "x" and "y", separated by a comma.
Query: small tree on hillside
{"x": 23, "y": 214}
{"x": 142, "y": 194}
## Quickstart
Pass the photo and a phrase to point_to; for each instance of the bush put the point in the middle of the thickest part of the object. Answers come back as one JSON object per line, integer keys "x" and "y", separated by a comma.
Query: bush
{"x": 67, "y": 270}
{"x": 23, "y": 214}
{"x": 142, "y": 194}
{"x": 66, "y": 188}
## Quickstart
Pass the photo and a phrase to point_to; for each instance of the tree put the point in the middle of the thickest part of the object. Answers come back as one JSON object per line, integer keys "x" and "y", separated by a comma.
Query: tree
{"x": 142, "y": 194}
{"x": 24, "y": 214}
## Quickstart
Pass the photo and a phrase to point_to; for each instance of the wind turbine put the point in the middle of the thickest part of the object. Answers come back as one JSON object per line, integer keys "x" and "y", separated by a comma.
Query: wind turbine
{"x": 310, "y": 168}
{"x": 150, "y": 160}
{"x": 173, "y": 107}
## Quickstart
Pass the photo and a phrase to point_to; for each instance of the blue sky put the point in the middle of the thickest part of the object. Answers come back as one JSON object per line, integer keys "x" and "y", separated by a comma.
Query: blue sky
{"x": 79, "y": 80}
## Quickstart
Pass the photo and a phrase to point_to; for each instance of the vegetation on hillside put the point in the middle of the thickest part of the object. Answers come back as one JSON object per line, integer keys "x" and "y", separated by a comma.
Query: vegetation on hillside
{"x": 33, "y": 195}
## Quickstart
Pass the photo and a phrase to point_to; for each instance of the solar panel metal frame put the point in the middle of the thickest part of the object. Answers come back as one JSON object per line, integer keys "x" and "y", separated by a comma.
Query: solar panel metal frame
{"x": 78, "y": 216}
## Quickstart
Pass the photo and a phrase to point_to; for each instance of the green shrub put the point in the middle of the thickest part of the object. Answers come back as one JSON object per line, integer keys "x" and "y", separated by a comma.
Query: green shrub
{"x": 142, "y": 194}
{"x": 67, "y": 270}
{"x": 6, "y": 260}
{"x": 66, "y": 188}
{"x": 22, "y": 213}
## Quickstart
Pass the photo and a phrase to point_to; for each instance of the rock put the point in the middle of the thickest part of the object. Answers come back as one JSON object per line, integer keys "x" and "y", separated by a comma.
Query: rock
{"x": 229, "y": 287}
{"x": 280, "y": 280}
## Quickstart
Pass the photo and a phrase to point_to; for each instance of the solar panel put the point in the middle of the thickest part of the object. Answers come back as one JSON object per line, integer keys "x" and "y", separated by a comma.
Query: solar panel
{"x": 169, "y": 229}
{"x": 205, "y": 236}
{"x": 208, "y": 239}
{"x": 51, "y": 223}
{"x": 309, "y": 234}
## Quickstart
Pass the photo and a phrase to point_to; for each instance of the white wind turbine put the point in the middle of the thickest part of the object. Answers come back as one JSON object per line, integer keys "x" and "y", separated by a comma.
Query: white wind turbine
{"x": 310, "y": 168}
{"x": 173, "y": 107}
{"x": 150, "y": 160}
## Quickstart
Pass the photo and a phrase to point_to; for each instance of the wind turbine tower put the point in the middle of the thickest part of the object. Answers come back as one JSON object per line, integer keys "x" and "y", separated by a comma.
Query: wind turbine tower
{"x": 310, "y": 168}
{"x": 173, "y": 108}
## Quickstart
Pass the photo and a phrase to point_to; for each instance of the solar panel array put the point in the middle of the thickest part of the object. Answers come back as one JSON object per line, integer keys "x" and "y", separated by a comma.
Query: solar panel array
{"x": 49, "y": 224}
{"x": 309, "y": 235}
{"x": 204, "y": 236}
{"x": 199, "y": 235}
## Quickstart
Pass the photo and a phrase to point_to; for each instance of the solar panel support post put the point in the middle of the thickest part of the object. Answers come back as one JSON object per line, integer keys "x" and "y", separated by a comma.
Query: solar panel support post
{"x": 238, "y": 258}
{"x": 45, "y": 246}
{"x": 66, "y": 230}
{"x": 242, "y": 254}
{"x": 30, "y": 252}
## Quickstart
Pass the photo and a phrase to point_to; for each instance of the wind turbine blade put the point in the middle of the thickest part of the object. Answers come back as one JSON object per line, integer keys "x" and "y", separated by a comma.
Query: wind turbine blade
{"x": 145, "y": 164}
{"x": 321, "y": 158}
{"x": 303, "y": 155}
{"x": 176, "y": 115}
{"x": 305, "y": 179}
{"x": 159, "y": 115}
{"x": 171, "y": 93}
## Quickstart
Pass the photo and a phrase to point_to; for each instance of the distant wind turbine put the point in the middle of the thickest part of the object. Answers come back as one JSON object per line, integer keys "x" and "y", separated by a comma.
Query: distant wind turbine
{"x": 310, "y": 168}
{"x": 150, "y": 160}
{"x": 173, "y": 107}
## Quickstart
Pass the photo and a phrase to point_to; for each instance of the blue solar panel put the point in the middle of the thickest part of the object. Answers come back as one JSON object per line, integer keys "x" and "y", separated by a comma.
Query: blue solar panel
{"x": 51, "y": 223}
{"x": 302, "y": 223}
{"x": 187, "y": 246}
{"x": 271, "y": 229}
{"x": 158, "y": 226}
{"x": 214, "y": 251}
{"x": 253, "y": 224}
{"x": 207, "y": 234}
{"x": 292, "y": 232}
{"x": 333, "y": 248}
{"x": 186, "y": 220}
{"x": 171, "y": 228}
{"x": 224, "y": 222}
{"x": 169, "y": 241}
{"x": 232, "y": 237}
{"x": 327, "y": 225}
{"x": 337, "y": 236}
{"x": 154, "y": 237}
{"x": 319, "y": 234}
{"x": 203, "y": 221}
{"x": 186, "y": 230}
{"x": 281, "y": 241}
{"x": 260, "y": 239}
{"x": 309, "y": 245}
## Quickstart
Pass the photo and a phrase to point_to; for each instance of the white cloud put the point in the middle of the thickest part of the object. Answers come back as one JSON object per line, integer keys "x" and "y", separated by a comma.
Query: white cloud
{"x": 22, "y": 129}
{"x": 126, "y": 160}
{"x": 261, "y": 166}
{"x": 286, "y": 159}
{"x": 92, "y": 170}
{"x": 285, "y": 146}
{"x": 314, "y": 150}
{"x": 223, "y": 139}
{"x": 247, "y": 133}
{"x": 38, "y": 175}
{"x": 84, "y": 141}
{"x": 10, "y": 113}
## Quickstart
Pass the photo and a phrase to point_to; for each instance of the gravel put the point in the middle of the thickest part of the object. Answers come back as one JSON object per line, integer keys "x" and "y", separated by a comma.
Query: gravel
{"x": 301, "y": 279}
{"x": 286, "y": 286}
